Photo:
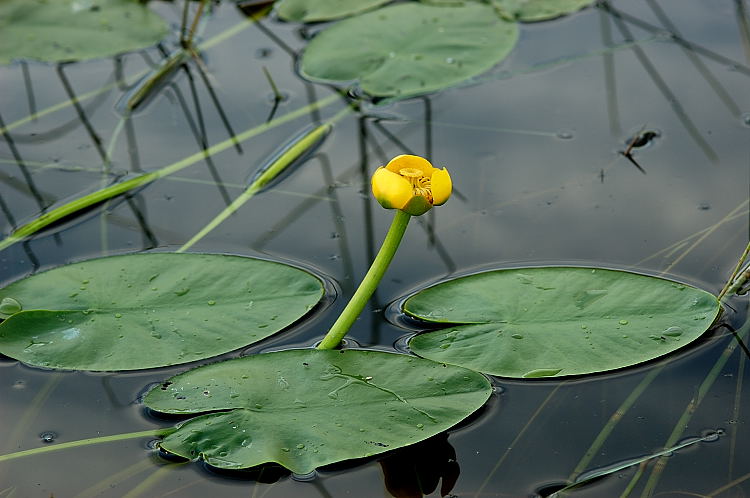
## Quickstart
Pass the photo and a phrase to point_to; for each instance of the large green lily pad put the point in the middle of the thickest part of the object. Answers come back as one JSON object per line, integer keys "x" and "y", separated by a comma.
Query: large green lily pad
{"x": 410, "y": 48}
{"x": 68, "y": 30}
{"x": 150, "y": 310}
{"x": 541, "y": 322}
{"x": 307, "y": 408}
{"x": 539, "y": 10}
{"x": 323, "y": 10}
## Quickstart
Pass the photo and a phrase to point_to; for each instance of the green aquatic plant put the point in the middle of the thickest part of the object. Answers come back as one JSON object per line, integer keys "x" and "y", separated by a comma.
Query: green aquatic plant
{"x": 139, "y": 311}
{"x": 71, "y": 30}
{"x": 410, "y": 48}
{"x": 547, "y": 321}
{"x": 221, "y": 386}
{"x": 410, "y": 185}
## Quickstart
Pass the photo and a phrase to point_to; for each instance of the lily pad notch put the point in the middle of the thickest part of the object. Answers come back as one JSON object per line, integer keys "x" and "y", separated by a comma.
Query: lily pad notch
{"x": 307, "y": 408}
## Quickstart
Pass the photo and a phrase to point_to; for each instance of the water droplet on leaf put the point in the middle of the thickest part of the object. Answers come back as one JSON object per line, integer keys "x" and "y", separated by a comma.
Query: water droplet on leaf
{"x": 9, "y": 306}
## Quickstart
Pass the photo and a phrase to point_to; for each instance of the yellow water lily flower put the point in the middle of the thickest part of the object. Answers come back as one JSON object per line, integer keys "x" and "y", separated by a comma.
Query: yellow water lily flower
{"x": 411, "y": 184}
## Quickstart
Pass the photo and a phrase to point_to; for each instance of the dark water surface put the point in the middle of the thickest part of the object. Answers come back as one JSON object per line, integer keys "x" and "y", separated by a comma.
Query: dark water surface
{"x": 533, "y": 153}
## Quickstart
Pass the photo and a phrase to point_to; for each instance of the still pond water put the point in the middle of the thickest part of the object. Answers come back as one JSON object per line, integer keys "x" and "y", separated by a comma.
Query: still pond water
{"x": 533, "y": 149}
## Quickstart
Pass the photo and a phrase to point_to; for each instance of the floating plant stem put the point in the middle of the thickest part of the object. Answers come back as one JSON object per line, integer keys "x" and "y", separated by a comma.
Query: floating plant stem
{"x": 215, "y": 40}
{"x": 277, "y": 97}
{"x": 596, "y": 474}
{"x": 703, "y": 389}
{"x": 289, "y": 156}
{"x": 738, "y": 278}
{"x": 191, "y": 33}
{"x": 146, "y": 484}
{"x": 614, "y": 419}
{"x": 369, "y": 282}
{"x": 112, "y": 480}
{"x": 146, "y": 86}
{"x": 114, "y": 190}
{"x": 86, "y": 442}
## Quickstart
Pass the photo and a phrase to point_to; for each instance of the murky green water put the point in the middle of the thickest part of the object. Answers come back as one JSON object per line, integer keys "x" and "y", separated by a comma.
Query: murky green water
{"x": 533, "y": 152}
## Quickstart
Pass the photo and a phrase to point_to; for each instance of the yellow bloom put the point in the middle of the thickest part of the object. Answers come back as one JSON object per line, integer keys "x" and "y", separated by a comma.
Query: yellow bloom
{"x": 411, "y": 184}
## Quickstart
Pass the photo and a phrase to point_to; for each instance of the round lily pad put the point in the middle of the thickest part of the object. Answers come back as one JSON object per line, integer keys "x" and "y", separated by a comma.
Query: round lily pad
{"x": 150, "y": 310}
{"x": 69, "y": 30}
{"x": 544, "y": 322}
{"x": 306, "y": 408}
{"x": 410, "y": 48}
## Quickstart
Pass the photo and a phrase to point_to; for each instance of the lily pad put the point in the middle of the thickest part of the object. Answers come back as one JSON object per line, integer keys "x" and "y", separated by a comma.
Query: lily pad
{"x": 151, "y": 310}
{"x": 323, "y": 10}
{"x": 544, "y": 322}
{"x": 67, "y": 30}
{"x": 307, "y": 408}
{"x": 410, "y": 48}
{"x": 538, "y": 10}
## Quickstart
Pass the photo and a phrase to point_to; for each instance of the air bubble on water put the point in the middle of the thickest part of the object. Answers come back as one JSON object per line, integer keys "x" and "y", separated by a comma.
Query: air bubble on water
{"x": 311, "y": 476}
{"x": 623, "y": 322}
{"x": 211, "y": 302}
{"x": 420, "y": 426}
{"x": 517, "y": 336}
{"x": 48, "y": 436}
{"x": 564, "y": 135}
{"x": 300, "y": 446}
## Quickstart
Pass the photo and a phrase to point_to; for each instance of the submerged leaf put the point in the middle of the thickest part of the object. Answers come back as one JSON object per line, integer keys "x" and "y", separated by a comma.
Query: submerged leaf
{"x": 542, "y": 322}
{"x": 323, "y": 10}
{"x": 151, "y": 310}
{"x": 68, "y": 30}
{"x": 410, "y": 48}
{"x": 308, "y": 408}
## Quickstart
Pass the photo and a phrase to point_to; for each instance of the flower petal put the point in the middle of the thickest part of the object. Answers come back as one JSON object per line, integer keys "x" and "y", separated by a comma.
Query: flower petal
{"x": 442, "y": 186}
{"x": 390, "y": 189}
{"x": 408, "y": 161}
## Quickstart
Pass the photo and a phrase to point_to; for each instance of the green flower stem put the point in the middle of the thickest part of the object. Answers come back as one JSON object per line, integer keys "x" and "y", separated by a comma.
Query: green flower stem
{"x": 369, "y": 283}
{"x": 85, "y": 442}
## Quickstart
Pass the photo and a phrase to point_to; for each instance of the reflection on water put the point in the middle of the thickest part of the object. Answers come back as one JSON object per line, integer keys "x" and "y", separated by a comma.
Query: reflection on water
{"x": 615, "y": 137}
